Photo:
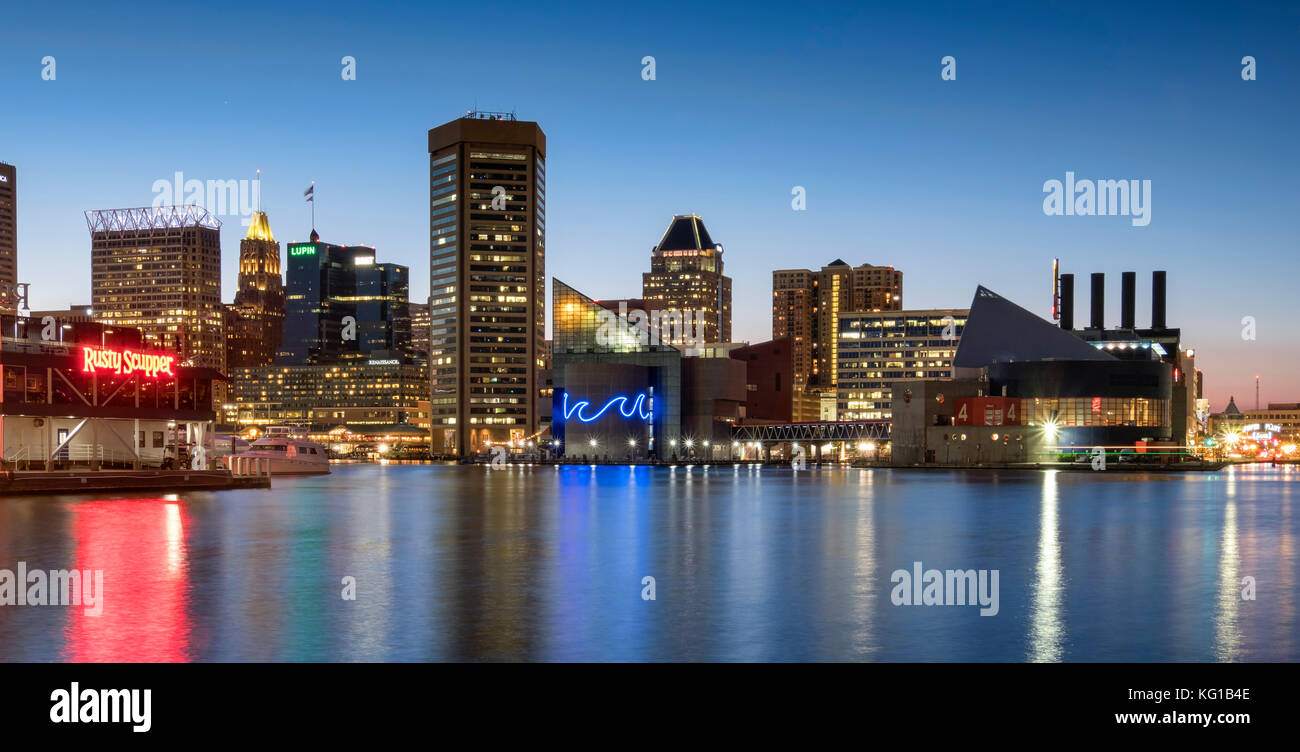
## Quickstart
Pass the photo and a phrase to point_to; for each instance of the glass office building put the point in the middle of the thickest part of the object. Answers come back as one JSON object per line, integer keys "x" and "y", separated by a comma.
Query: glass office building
{"x": 341, "y": 304}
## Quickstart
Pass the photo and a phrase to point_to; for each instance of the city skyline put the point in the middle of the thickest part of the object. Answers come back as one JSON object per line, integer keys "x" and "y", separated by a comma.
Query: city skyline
{"x": 940, "y": 179}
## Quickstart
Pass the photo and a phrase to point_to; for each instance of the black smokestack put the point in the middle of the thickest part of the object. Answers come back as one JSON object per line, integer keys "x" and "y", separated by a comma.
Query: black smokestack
{"x": 1128, "y": 300}
{"x": 1158, "y": 300}
{"x": 1067, "y": 301}
{"x": 1098, "y": 300}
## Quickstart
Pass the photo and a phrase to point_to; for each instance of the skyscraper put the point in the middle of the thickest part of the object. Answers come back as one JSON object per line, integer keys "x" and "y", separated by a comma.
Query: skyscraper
{"x": 487, "y": 259}
{"x": 8, "y": 224}
{"x": 420, "y": 324}
{"x": 255, "y": 321}
{"x": 686, "y": 275}
{"x": 794, "y": 305}
{"x": 382, "y": 305}
{"x": 806, "y": 305}
{"x": 159, "y": 269}
{"x": 340, "y": 304}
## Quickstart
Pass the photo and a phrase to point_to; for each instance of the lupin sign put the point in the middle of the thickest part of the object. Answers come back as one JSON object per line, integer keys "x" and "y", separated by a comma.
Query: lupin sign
{"x": 96, "y": 359}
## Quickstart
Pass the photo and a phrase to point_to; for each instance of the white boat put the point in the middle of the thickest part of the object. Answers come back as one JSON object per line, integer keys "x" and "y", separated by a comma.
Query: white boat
{"x": 287, "y": 453}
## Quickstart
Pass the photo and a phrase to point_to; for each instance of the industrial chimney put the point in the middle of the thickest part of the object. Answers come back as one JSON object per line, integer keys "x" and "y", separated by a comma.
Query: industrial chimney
{"x": 1067, "y": 302}
{"x": 1098, "y": 300}
{"x": 1128, "y": 301}
{"x": 1158, "y": 300}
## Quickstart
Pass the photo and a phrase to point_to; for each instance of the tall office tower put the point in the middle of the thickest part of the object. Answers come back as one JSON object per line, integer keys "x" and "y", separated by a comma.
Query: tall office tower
{"x": 686, "y": 275}
{"x": 794, "y": 305}
{"x": 255, "y": 322}
{"x": 382, "y": 305}
{"x": 8, "y": 226}
{"x": 340, "y": 304}
{"x": 810, "y": 301}
{"x": 159, "y": 269}
{"x": 420, "y": 325}
{"x": 317, "y": 278}
{"x": 487, "y": 266}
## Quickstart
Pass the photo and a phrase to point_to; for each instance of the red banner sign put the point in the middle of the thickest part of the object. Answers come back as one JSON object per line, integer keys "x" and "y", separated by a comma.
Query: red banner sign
{"x": 153, "y": 365}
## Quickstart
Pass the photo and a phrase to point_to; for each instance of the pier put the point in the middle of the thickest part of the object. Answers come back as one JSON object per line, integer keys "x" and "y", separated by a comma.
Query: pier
{"x": 98, "y": 481}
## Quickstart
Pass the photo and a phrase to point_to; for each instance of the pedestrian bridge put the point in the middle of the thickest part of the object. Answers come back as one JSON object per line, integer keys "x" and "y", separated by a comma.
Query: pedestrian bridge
{"x": 813, "y": 432}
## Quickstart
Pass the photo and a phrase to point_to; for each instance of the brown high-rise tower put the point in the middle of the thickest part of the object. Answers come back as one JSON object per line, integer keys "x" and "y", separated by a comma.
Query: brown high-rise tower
{"x": 255, "y": 321}
{"x": 8, "y": 224}
{"x": 487, "y": 280}
{"x": 806, "y": 305}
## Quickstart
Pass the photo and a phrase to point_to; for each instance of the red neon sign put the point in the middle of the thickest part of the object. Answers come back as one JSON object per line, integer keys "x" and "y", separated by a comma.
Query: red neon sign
{"x": 95, "y": 359}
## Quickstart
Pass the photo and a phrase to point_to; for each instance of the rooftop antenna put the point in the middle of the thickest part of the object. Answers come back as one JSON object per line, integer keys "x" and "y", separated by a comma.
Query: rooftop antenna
{"x": 259, "y": 190}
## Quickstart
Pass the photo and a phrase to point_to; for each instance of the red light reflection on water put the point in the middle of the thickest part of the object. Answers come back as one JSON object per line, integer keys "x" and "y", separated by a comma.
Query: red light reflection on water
{"x": 140, "y": 546}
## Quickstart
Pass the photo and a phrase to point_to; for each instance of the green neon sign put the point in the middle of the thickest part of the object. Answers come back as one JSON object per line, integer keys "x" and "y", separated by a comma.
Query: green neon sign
{"x": 302, "y": 250}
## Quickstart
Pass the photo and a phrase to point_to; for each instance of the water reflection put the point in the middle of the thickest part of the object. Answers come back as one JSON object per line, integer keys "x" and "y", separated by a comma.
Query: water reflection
{"x": 1047, "y": 632}
{"x": 139, "y": 544}
{"x": 545, "y": 563}
{"x": 1227, "y": 637}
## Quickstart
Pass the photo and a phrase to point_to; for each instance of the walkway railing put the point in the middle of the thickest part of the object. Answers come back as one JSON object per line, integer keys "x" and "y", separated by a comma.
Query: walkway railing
{"x": 856, "y": 430}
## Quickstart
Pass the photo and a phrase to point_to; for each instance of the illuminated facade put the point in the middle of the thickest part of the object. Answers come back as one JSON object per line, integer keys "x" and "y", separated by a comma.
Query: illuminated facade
{"x": 255, "y": 321}
{"x": 794, "y": 304}
{"x": 1128, "y": 341}
{"x": 620, "y": 395}
{"x": 487, "y": 259}
{"x": 807, "y": 303}
{"x": 96, "y": 397}
{"x": 8, "y": 225}
{"x": 1280, "y": 420}
{"x": 1025, "y": 390}
{"x": 420, "y": 325}
{"x": 158, "y": 269}
{"x": 686, "y": 274}
{"x": 322, "y": 396}
{"x": 879, "y": 350}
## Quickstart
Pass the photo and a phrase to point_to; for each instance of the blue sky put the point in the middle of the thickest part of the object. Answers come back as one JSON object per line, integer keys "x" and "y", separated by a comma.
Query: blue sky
{"x": 942, "y": 179}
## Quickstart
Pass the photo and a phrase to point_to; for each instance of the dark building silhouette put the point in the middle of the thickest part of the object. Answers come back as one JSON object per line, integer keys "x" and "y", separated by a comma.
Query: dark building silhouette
{"x": 770, "y": 394}
{"x": 341, "y": 304}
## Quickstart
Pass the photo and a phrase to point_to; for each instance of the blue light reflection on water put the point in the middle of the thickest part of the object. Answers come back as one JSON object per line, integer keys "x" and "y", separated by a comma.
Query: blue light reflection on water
{"x": 545, "y": 563}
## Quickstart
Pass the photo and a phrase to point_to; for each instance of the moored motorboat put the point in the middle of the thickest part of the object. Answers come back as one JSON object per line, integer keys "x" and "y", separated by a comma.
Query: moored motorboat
{"x": 285, "y": 453}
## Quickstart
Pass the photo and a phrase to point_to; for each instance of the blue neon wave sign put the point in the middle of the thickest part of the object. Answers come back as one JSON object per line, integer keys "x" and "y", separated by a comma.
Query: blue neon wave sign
{"x": 636, "y": 407}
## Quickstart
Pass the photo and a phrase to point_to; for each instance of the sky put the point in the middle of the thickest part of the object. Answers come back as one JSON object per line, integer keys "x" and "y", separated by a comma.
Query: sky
{"x": 942, "y": 179}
